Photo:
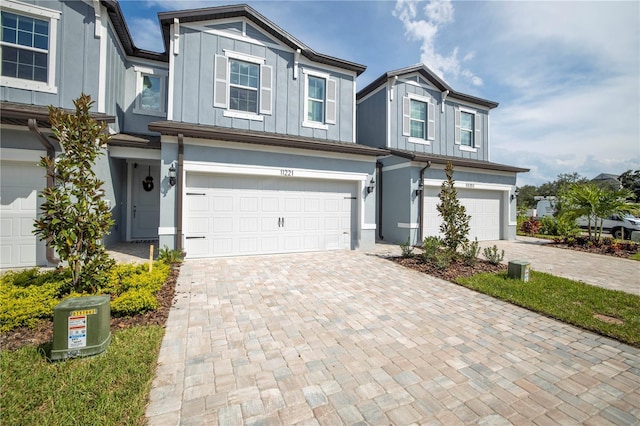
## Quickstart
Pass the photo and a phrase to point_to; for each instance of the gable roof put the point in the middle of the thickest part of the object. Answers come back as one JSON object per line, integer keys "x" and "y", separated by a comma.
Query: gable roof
{"x": 431, "y": 77}
{"x": 246, "y": 11}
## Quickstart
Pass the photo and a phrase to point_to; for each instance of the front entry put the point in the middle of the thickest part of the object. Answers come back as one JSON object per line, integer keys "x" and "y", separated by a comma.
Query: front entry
{"x": 145, "y": 201}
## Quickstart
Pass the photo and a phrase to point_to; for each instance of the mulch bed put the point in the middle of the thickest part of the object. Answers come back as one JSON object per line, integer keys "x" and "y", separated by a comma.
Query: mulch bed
{"x": 457, "y": 269}
{"x": 43, "y": 332}
{"x": 607, "y": 250}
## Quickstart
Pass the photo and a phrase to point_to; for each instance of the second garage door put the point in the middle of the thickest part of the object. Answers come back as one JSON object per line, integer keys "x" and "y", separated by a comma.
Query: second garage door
{"x": 238, "y": 215}
{"x": 483, "y": 206}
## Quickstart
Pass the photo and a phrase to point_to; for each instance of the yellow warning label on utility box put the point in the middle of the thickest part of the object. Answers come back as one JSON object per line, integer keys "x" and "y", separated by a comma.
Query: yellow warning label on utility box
{"x": 84, "y": 312}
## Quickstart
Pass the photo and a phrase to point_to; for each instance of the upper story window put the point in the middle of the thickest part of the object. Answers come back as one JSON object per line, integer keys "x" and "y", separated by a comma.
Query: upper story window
{"x": 467, "y": 129}
{"x": 315, "y": 100}
{"x": 242, "y": 85}
{"x": 418, "y": 118}
{"x": 28, "y": 40}
{"x": 243, "y": 90}
{"x": 150, "y": 91}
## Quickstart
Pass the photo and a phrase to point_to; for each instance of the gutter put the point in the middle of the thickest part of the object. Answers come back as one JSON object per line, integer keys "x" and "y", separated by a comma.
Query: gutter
{"x": 421, "y": 205}
{"x": 51, "y": 155}
{"x": 379, "y": 167}
{"x": 180, "y": 190}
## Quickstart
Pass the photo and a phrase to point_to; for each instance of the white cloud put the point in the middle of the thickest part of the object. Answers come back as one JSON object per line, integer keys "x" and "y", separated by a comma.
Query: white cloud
{"x": 146, "y": 34}
{"x": 423, "y": 26}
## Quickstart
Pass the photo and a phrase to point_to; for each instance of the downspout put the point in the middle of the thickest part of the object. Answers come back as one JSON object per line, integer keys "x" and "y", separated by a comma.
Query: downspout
{"x": 51, "y": 154}
{"x": 421, "y": 204}
{"x": 180, "y": 190}
{"x": 379, "y": 167}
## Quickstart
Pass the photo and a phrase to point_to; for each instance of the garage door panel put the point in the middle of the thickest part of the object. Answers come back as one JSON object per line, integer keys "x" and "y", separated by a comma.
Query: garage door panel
{"x": 272, "y": 215}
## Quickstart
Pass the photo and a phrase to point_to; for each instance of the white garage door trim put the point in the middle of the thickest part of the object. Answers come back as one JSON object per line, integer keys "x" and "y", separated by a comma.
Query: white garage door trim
{"x": 358, "y": 180}
{"x": 498, "y": 194}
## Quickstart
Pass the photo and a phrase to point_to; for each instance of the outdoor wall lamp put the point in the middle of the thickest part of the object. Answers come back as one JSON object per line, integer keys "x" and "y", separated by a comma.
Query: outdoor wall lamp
{"x": 515, "y": 194}
{"x": 371, "y": 186}
{"x": 172, "y": 175}
{"x": 420, "y": 188}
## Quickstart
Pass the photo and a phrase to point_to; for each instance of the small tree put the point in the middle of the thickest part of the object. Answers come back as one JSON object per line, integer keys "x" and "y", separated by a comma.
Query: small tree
{"x": 75, "y": 218}
{"x": 455, "y": 220}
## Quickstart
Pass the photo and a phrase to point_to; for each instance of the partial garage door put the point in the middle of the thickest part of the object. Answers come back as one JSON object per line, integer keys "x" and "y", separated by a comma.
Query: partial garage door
{"x": 483, "y": 206}
{"x": 20, "y": 184}
{"x": 238, "y": 215}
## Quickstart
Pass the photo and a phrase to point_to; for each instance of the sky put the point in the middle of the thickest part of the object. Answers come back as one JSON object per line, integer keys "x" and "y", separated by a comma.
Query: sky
{"x": 566, "y": 74}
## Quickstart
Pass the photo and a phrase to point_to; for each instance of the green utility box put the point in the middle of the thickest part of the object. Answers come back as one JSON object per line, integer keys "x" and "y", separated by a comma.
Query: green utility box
{"x": 519, "y": 269}
{"x": 81, "y": 327}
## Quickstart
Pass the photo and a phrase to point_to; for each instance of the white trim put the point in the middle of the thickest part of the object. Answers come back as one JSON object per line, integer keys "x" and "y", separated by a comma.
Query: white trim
{"x": 467, "y": 148}
{"x": 129, "y": 197}
{"x": 252, "y": 170}
{"x": 97, "y": 11}
{"x": 408, "y": 225}
{"x": 353, "y": 118}
{"x": 313, "y": 124}
{"x": 231, "y": 113}
{"x": 53, "y": 16}
{"x": 171, "y": 85}
{"x": 418, "y": 140}
{"x": 151, "y": 71}
{"x": 131, "y": 153}
{"x": 212, "y": 143}
{"x": 420, "y": 98}
{"x": 470, "y": 185}
{"x": 15, "y": 154}
{"x": 305, "y": 106}
{"x": 175, "y": 37}
{"x": 379, "y": 88}
{"x": 314, "y": 73}
{"x": 512, "y": 223}
{"x": 244, "y": 57}
{"x": 167, "y": 230}
{"x": 163, "y": 76}
{"x": 202, "y": 27}
{"x": 101, "y": 33}
{"x": 398, "y": 166}
{"x": 368, "y": 226}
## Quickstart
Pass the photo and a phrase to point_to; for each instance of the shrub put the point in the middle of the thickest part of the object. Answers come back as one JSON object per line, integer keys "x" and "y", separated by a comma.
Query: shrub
{"x": 530, "y": 226}
{"x": 491, "y": 253}
{"x": 469, "y": 253}
{"x": 443, "y": 258}
{"x": 134, "y": 301}
{"x": 430, "y": 248}
{"x": 561, "y": 226}
{"x": 407, "y": 250}
{"x": 28, "y": 296}
{"x": 133, "y": 287}
{"x": 455, "y": 220}
{"x": 171, "y": 256}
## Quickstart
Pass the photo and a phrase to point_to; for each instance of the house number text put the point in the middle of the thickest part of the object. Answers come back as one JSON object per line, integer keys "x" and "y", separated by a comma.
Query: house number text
{"x": 286, "y": 172}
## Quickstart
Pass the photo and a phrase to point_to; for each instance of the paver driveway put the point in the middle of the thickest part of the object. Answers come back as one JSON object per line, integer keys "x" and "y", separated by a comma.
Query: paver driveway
{"x": 348, "y": 338}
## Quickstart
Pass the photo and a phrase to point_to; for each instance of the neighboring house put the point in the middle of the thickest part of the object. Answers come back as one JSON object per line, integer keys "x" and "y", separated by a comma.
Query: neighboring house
{"x": 608, "y": 180}
{"x": 424, "y": 124}
{"x": 247, "y": 134}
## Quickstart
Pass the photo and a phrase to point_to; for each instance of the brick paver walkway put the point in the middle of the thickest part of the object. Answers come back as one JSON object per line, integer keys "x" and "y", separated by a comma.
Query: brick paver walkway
{"x": 350, "y": 338}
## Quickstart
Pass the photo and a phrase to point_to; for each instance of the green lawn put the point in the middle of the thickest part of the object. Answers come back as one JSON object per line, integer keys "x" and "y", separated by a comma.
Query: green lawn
{"x": 611, "y": 313}
{"x": 107, "y": 389}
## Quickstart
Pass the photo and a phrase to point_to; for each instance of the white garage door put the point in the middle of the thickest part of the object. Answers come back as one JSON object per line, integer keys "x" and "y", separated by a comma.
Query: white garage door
{"x": 237, "y": 215}
{"x": 20, "y": 183}
{"x": 483, "y": 206}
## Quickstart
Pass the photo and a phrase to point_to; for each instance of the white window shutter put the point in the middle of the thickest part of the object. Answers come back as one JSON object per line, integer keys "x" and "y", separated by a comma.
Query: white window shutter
{"x": 406, "y": 116}
{"x": 266, "y": 83}
{"x": 221, "y": 83}
{"x": 477, "y": 130}
{"x": 457, "y": 126}
{"x": 431, "y": 125}
{"x": 330, "y": 114}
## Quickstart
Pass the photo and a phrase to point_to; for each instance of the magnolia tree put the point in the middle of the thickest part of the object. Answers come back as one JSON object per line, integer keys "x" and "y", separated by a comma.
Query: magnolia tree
{"x": 75, "y": 217}
{"x": 455, "y": 220}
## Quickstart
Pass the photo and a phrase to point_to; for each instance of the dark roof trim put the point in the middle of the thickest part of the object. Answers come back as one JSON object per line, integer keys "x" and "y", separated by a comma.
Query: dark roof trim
{"x": 246, "y": 11}
{"x": 462, "y": 162}
{"x": 122, "y": 31}
{"x": 429, "y": 76}
{"x": 135, "y": 141}
{"x": 173, "y": 128}
{"x": 16, "y": 111}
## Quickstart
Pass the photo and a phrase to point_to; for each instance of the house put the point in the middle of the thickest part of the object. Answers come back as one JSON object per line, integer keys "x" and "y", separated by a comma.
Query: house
{"x": 237, "y": 140}
{"x": 424, "y": 124}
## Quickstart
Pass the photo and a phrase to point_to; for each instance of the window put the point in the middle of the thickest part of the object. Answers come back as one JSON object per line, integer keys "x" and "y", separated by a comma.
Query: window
{"x": 418, "y": 119}
{"x": 466, "y": 129}
{"x": 419, "y": 122}
{"x": 28, "y": 46}
{"x": 320, "y": 93}
{"x": 315, "y": 100}
{"x": 150, "y": 91}
{"x": 242, "y": 86}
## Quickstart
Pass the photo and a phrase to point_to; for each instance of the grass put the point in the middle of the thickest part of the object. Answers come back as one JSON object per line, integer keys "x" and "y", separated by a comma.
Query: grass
{"x": 107, "y": 389}
{"x": 608, "y": 312}
{"x": 635, "y": 256}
